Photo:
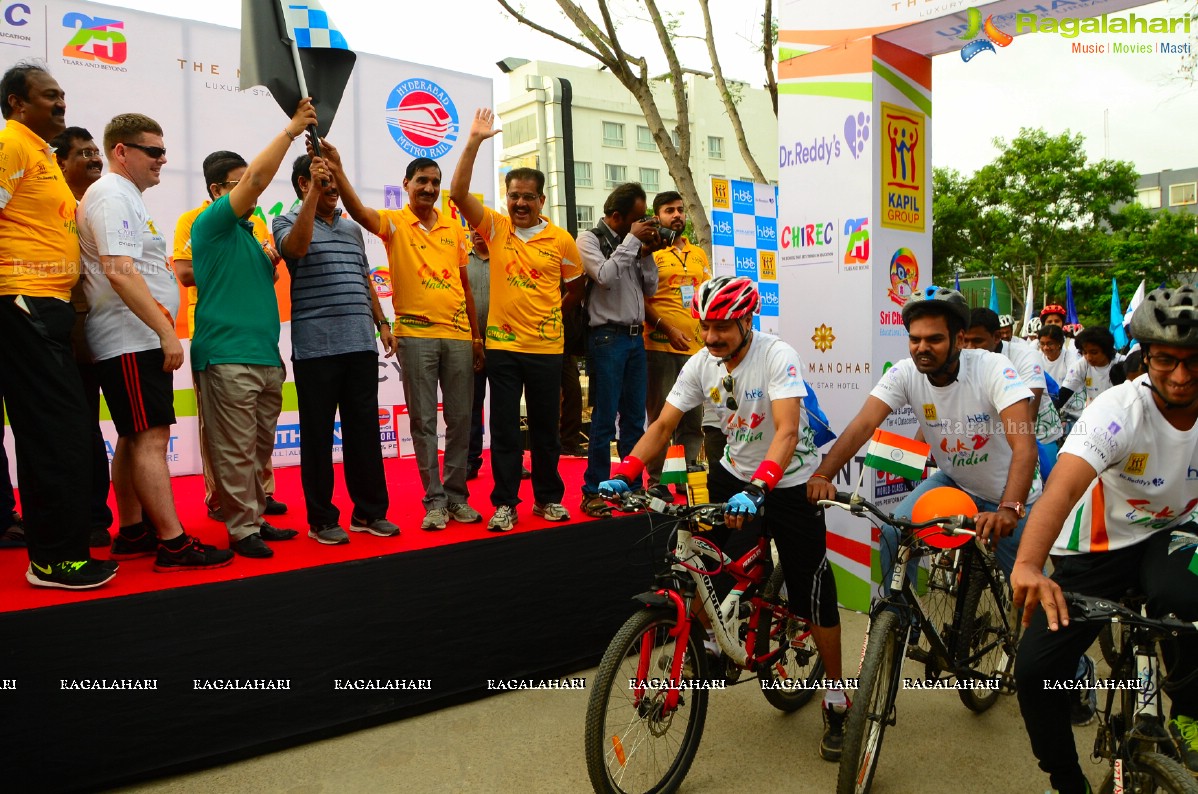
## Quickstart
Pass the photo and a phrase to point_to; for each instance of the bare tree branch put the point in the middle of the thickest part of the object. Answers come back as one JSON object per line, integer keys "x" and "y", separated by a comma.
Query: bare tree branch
{"x": 523, "y": 20}
{"x": 681, "y": 106}
{"x": 726, "y": 96}
{"x": 769, "y": 37}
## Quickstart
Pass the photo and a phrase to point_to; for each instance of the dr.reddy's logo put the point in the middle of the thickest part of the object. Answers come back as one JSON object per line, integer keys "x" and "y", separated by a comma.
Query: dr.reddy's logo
{"x": 422, "y": 118}
{"x": 992, "y": 36}
{"x": 95, "y": 39}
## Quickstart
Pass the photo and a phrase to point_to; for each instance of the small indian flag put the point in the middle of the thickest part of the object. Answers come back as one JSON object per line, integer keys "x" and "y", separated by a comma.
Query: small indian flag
{"x": 673, "y": 472}
{"x": 897, "y": 454}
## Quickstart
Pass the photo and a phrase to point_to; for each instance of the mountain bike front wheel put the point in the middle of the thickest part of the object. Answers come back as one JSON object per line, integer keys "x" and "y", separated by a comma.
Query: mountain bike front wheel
{"x": 634, "y": 743}
{"x": 1152, "y": 773}
{"x": 871, "y": 711}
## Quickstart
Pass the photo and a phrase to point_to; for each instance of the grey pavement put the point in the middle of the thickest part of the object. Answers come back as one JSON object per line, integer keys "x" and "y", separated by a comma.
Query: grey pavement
{"x": 531, "y": 741}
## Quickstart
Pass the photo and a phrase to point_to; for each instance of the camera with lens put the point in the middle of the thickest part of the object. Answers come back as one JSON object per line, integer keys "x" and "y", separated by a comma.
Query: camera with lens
{"x": 668, "y": 235}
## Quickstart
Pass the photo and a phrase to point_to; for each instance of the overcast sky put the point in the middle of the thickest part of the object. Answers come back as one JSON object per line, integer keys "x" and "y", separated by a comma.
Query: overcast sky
{"x": 1035, "y": 82}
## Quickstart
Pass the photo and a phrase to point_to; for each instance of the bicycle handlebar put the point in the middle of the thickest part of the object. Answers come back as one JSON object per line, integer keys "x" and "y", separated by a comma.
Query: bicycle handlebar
{"x": 710, "y": 512}
{"x": 1088, "y": 609}
{"x": 858, "y": 505}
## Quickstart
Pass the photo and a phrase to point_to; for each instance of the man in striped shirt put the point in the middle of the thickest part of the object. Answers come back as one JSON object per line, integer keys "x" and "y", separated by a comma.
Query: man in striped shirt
{"x": 334, "y": 314}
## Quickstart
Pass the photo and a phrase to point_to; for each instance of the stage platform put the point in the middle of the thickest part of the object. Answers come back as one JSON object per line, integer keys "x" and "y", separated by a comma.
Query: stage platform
{"x": 158, "y": 673}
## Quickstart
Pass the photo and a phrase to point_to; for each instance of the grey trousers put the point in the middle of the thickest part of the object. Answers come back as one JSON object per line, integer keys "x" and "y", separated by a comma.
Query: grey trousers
{"x": 450, "y": 363}
{"x": 211, "y": 498}
{"x": 240, "y": 412}
{"x": 663, "y": 370}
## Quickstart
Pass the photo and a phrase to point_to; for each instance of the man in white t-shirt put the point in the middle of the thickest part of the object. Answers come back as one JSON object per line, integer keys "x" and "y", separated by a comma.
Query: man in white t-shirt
{"x": 131, "y": 332}
{"x": 974, "y": 411}
{"x": 1118, "y": 513}
{"x": 753, "y": 383}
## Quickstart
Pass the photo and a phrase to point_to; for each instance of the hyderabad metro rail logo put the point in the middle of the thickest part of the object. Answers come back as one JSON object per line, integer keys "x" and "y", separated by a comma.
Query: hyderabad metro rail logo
{"x": 422, "y": 118}
{"x": 992, "y": 36}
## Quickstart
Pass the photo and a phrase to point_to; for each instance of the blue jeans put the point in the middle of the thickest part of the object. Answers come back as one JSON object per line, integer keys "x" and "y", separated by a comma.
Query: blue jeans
{"x": 617, "y": 370}
{"x": 888, "y": 543}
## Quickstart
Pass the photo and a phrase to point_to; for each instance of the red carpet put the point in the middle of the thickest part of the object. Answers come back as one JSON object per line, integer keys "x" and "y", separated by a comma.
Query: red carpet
{"x": 138, "y": 576}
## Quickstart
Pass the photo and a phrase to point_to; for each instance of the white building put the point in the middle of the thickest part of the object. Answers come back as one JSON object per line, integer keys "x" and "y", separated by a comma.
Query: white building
{"x": 584, "y": 124}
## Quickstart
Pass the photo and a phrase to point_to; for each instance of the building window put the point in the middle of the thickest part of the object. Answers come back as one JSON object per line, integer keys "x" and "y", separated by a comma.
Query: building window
{"x": 675, "y": 139}
{"x": 520, "y": 130}
{"x": 582, "y": 174}
{"x": 613, "y": 134}
{"x": 644, "y": 140}
{"x": 1183, "y": 193}
{"x": 650, "y": 180}
{"x": 715, "y": 147}
{"x": 1149, "y": 197}
{"x": 616, "y": 175}
{"x": 585, "y": 217}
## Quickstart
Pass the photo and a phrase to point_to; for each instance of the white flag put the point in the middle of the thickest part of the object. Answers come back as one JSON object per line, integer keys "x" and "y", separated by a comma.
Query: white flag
{"x": 1027, "y": 307}
{"x": 1136, "y": 300}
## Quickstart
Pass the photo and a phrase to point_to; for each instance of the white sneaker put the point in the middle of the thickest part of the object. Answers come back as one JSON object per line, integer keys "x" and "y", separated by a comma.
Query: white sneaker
{"x": 504, "y": 519}
{"x": 551, "y": 511}
{"x": 464, "y": 513}
{"x": 435, "y": 518}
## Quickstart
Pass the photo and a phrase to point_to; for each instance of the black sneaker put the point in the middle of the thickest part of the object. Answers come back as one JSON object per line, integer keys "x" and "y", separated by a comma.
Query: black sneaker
{"x": 269, "y": 532}
{"x": 80, "y": 575}
{"x": 13, "y": 537}
{"x": 662, "y": 492}
{"x": 194, "y": 556}
{"x": 274, "y": 507}
{"x": 832, "y": 742}
{"x": 1084, "y": 703}
{"x": 99, "y": 538}
{"x": 134, "y": 541}
{"x": 251, "y": 546}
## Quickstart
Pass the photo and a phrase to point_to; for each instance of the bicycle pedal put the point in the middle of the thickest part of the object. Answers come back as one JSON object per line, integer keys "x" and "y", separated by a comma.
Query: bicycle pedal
{"x": 918, "y": 654}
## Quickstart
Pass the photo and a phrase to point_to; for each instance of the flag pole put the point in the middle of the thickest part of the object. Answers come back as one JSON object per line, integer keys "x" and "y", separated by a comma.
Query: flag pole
{"x": 303, "y": 87}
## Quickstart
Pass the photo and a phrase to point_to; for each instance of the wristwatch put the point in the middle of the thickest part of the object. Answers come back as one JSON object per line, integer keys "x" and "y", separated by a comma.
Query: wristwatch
{"x": 1018, "y": 507}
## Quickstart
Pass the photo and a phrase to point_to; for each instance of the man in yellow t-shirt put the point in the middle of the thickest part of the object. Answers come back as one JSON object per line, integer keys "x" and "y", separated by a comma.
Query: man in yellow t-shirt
{"x": 530, "y": 258}
{"x": 39, "y": 263}
{"x": 181, "y": 261}
{"x": 436, "y": 328}
{"x": 671, "y": 332}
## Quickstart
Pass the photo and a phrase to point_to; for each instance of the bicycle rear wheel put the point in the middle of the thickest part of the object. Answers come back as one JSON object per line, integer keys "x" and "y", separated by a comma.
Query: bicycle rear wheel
{"x": 982, "y": 627}
{"x": 788, "y": 682}
{"x": 939, "y": 607}
{"x": 871, "y": 711}
{"x": 1153, "y": 773}
{"x": 632, "y": 745}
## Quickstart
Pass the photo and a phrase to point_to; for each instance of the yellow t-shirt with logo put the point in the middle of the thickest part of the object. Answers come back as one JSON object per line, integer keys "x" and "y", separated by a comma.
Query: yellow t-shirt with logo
{"x": 426, "y": 279}
{"x": 679, "y": 274}
{"x": 183, "y": 251}
{"x": 526, "y": 298}
{"x": 39, "y": 245}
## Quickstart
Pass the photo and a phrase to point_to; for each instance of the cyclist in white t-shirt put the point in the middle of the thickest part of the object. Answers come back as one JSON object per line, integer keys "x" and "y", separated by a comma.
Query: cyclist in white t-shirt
{"x": 1094, "y": 371}
{"x": 1117, "y": 514}
{"x": 752, "y": 382}
{"x": 974, "y": 411}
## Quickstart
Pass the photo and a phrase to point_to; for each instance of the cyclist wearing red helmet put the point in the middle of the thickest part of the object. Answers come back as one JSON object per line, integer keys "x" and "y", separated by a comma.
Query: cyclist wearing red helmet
{"x": 752, "y": 382}
{"x": 1118, "y": 512}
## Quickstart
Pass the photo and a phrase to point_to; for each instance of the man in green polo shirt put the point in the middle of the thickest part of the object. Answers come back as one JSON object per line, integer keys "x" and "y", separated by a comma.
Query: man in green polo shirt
{"x": 235, "y": 348}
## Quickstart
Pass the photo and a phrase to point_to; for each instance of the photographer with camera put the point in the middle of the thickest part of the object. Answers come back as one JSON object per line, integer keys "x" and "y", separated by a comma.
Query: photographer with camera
{"x": 618, "y": 257}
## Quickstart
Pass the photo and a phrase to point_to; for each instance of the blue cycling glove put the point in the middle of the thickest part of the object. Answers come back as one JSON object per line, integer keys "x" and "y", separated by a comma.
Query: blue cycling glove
{"x": 616, "y": 487}
{"x": 747, "y": 502}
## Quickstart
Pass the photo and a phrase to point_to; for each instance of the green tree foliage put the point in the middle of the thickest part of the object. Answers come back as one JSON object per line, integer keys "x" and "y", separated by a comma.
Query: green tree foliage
{"x": 1041, "y": 210}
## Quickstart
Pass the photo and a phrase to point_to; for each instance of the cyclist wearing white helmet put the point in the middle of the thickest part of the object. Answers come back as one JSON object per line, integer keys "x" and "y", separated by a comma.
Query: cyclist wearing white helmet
{"x": 1006, "y": 327}
{"x": 752, "y": 382}
{"x": 1115, "y": 515}
{"x": 974, "y": 411}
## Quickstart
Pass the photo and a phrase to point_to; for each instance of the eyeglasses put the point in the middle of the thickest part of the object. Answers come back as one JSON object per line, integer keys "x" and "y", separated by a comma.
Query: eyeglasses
{"x": 1159, "y": 362}
{"x": 87, "y": 154}
{"x": 729, "y": 385}
{"x": 153, "y": 152}
{"x": 529, "y": 197}
{"x": 229, "y": 183}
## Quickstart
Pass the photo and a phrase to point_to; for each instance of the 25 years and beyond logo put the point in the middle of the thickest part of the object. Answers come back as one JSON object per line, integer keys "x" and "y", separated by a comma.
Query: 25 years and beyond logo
{"x": 422, "y": 118}
{"x": 96, "y": 39}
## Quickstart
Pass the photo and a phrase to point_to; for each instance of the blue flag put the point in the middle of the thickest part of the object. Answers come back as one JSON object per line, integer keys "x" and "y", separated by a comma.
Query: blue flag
{"x": 993, "y": 296}
{"x": 1117, "y": 317}
{"x": 817, "y": 419}
{"x": 1070, "y": 309}
{"x": 957, "y": 282}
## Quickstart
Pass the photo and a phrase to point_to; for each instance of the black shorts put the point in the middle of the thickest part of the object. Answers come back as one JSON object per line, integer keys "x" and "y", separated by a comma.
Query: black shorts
{"x": 139, "y": 394}
{"x": 799, "y": 532}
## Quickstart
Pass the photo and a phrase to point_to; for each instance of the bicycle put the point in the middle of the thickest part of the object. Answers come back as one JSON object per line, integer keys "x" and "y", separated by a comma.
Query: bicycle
{"x": 647, "y": 708}
{"x": 1142, "y": 755}
{"x": 975, "y": 642}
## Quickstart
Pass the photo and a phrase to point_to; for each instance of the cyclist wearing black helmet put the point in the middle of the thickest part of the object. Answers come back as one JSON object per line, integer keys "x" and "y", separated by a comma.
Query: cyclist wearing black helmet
{"x": 974, "y": 411}
{"x": 1116, "y": 514}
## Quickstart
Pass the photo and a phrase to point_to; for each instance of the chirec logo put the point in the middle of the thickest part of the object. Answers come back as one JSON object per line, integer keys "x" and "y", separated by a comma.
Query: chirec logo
{"x": 808, "y": 235}
{"x": 96, "y": 39}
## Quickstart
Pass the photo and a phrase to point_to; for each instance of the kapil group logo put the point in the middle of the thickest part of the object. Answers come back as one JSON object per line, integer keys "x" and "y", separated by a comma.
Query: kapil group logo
{"x": 904, "y": 276}
{"x": 422, "y": 118}
{"x": 993, "y": 36}
{"x": 95, "y": 39}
